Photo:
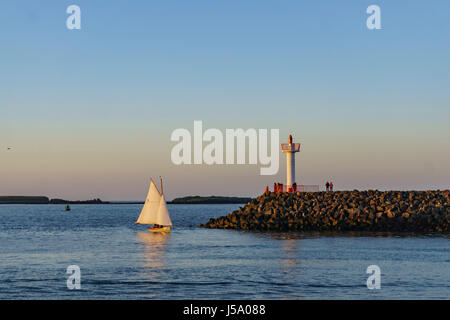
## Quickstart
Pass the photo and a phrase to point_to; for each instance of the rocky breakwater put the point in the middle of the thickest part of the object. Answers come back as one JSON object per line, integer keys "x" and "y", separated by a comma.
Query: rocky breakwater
{"x": 372, "y": 210}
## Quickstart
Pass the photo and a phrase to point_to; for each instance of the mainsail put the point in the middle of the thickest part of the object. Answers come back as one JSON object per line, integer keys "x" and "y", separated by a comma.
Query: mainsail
{"x": 155, "y": 208}
{"x": 150, "y": 210}
{"x": 163, "y": 213}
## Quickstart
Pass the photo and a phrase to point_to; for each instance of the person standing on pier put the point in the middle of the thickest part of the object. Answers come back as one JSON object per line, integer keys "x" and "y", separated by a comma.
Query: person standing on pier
{"x": 327, "y": 185}
{"x": 331, "y": 186}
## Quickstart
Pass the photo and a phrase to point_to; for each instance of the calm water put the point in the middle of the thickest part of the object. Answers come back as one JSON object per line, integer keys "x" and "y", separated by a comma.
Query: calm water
{"x": 120, "y": 260}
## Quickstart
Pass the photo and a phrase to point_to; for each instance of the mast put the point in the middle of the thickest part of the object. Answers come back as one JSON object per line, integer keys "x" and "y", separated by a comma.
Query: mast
{"x": 163, "y": 217}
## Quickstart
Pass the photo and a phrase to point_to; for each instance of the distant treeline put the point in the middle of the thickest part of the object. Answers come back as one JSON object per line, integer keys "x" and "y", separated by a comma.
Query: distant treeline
{"x": 44, "y": 200}
{"x": 210, "y": 200}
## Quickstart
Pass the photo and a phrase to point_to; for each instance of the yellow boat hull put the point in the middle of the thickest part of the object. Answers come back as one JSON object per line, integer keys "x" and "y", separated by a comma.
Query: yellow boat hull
{"x": 160, "y": 229}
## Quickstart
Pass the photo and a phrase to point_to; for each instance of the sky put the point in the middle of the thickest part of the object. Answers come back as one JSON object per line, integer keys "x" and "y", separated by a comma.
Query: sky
{"x": 89, "y": 113}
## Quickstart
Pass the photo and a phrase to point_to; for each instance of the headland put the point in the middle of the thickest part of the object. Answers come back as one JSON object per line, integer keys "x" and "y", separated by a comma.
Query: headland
{"x": 44, "y": 200}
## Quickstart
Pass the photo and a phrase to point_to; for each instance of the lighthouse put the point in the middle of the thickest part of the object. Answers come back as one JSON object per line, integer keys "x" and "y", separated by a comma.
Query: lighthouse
{"x": 290, "y": 149}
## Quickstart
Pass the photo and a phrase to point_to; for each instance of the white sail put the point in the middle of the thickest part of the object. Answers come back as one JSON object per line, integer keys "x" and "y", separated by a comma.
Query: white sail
{"x": 149, "y": 213}
{"x": 163, "y": 217}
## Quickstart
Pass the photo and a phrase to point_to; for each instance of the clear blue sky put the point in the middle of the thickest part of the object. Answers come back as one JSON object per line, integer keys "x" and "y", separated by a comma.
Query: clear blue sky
{"x": 89, "y": 112}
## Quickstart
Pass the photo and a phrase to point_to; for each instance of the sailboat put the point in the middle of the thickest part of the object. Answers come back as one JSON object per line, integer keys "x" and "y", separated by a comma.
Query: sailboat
{"x": 155, "y": 210}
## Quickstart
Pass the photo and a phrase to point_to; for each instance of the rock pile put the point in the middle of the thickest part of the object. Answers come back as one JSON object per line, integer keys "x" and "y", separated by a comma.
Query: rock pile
{"x": 372, "y": 210}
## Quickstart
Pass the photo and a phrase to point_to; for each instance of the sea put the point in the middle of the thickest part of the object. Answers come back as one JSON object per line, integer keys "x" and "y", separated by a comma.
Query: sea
{"x": 118, "y": 259}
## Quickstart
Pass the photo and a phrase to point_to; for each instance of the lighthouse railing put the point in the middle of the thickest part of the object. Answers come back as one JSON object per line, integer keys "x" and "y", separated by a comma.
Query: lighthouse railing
{"x": 295, "y": 147}
{"x": 296, "y": 188}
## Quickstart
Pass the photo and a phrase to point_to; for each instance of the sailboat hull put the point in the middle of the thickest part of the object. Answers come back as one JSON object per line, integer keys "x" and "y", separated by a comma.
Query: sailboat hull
{"x": 160, "y": 229}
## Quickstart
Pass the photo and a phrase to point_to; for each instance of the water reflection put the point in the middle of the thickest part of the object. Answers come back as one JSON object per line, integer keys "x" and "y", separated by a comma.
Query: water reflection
{"x": 290, "y": 259}
{"x": 290, "y": 254}
{"x": 276, "y": 235}
{"x": 155, "y": 247}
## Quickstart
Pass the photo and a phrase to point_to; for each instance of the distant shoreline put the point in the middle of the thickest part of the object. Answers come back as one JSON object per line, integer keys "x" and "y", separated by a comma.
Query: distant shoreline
{"x": 184, "y": 200}
{"x": 44, "y": 200}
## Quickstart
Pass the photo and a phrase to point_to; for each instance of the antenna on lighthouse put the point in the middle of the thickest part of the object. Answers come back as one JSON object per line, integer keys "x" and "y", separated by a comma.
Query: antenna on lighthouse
{"x": 290, "y": 149}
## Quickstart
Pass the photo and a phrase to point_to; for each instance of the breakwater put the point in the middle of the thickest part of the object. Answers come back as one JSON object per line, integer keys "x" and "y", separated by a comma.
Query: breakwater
{"x": 372, "y": 210}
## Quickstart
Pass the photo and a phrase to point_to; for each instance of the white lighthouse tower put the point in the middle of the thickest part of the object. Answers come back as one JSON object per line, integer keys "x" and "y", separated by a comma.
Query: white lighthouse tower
{"x": 290, "y": 149}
